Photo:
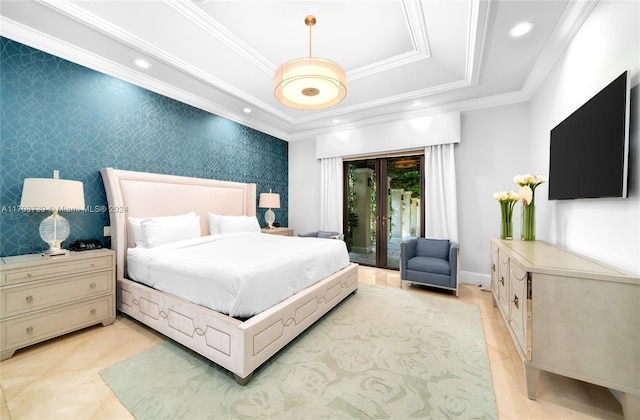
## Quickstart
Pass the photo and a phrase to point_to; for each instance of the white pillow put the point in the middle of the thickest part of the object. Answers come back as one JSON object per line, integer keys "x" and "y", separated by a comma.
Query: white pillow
{"x": 214, "y": 224}
{"x": 157, "y": 232}
{"x": 233, "y": 224}
{"x": 135, "y": 223}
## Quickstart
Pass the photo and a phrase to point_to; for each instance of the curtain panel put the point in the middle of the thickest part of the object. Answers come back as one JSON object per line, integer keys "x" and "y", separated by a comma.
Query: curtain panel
{"x": 441, "y": 207}
{"x": 331, "y": 194}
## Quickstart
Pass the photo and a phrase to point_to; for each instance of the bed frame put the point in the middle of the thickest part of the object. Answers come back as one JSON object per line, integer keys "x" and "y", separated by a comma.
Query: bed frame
{"x": 240, "y": 347}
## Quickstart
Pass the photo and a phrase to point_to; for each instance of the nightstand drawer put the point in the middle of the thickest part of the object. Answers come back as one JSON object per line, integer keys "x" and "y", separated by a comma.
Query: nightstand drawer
{"x": 55, "y": 269}
{"x": 32, "y": 329}
{"x": 21, "y": 299}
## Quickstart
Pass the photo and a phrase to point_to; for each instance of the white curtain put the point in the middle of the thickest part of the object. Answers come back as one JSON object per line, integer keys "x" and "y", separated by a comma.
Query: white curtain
{"x": 331, "y": 194}
{"x": 441, "y": 207}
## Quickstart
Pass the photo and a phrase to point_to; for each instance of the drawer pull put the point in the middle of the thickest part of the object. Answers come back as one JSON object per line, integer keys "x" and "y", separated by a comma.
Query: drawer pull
{"x": 29, "y": 330}
{"x": 29, "y": 299}
{"x": 502, "y": 280}
{"x": 29, "y": 274}
{"x": 92, "y": 286}
{"x": 93, "y": 312}
{"x": 515, "y": 301}
{"x": 493, "y": 267}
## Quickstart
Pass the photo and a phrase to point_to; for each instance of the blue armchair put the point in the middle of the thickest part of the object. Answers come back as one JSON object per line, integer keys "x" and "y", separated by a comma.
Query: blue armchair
{"x": 432, "y": 262}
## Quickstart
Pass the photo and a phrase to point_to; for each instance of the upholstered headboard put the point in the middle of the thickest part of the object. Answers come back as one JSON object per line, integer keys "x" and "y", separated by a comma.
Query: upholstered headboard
{"x": 142, "y": 194}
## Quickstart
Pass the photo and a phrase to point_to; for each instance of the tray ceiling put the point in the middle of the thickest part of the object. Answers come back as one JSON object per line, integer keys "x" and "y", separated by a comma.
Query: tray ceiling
{"x": 402, "y": 57}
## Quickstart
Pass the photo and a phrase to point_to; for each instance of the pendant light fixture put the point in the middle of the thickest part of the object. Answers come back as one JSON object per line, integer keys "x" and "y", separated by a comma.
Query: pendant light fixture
{"x": 310, "y": 83}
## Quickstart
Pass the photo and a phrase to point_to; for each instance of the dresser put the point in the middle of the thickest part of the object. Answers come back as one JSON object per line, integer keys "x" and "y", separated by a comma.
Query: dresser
{"x": 570, "y": 315}
{"x": 282, "y": 231}
{"x": 42, "y": 298}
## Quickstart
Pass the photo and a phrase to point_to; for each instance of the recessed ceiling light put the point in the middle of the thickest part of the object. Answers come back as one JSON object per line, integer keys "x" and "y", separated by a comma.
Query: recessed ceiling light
{"x": 521, "y": 29}
{"x": 335, "y": 120}
{"x": 417, "y": 103}
{"x": 247, "y": 110}
{"x": 142, "y": 63}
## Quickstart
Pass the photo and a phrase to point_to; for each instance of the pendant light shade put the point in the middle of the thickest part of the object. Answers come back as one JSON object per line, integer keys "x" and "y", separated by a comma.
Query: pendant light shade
{"x": 310, "y": 83}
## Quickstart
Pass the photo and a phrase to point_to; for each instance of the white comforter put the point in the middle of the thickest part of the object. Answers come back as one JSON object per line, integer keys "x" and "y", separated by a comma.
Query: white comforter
{"x": 239, "y": 274}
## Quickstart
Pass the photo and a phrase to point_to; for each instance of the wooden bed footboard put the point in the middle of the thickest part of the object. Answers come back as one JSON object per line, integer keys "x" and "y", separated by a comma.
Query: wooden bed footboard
{"x": 240, "y": 347}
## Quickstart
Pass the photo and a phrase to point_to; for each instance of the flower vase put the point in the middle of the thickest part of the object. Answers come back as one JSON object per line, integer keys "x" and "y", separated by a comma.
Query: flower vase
{"x": 528, "y": 222}
{"x": 506, "y": 230}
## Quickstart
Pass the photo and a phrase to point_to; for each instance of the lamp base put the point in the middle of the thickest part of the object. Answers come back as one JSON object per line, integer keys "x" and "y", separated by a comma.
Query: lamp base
{"x": 54, "y": 230}
{"x": 55, "y": 253}
{"x": 270, "y": 217}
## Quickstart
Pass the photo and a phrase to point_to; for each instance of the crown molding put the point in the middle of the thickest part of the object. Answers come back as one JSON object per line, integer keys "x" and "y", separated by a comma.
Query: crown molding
{"x": 462, "y": 106}
{"x": 478, "y": 27}
{"x": 568, "y": 25}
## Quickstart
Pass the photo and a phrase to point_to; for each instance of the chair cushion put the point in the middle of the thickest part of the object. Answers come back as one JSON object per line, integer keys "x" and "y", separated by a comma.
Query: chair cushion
{"x": 429, "y": 265}
{"x": 437, "y": 248}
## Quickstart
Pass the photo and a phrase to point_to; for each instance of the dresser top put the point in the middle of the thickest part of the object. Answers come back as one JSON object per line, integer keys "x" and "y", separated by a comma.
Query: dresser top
{"x": 38, "y": 259}
{"x": 543, "y": 257}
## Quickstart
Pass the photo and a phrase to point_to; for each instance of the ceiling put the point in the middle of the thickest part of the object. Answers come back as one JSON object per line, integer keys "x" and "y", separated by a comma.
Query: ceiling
{"x": 402, "y": 57}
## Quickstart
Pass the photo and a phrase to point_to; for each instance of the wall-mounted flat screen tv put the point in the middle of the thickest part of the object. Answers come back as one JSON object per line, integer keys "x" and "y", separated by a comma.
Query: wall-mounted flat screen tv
{"x": 589, "y": 149}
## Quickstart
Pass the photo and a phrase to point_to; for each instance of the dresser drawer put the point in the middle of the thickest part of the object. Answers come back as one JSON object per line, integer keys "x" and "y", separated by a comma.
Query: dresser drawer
{"x": 33, "y": 297}
{"x": 520, "y": 308}
{"x": 22, "y": 331}
{"x": 55, "y": 269}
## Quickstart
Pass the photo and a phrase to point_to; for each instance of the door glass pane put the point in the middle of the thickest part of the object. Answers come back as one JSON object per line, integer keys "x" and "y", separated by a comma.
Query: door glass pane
{"x": 361, "y": 211}
{"x": 403, "y": 177}
{"x": 377, "y": 232}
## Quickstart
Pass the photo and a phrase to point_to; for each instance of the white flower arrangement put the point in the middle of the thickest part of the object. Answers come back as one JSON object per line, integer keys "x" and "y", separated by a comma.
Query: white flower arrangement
{"x": 530, "y": 180}
{"x": 528, "y": 184}
{"x": 507, "y": 200}
{"x": 506, "y": 196}
{"x": 527, "y": 193}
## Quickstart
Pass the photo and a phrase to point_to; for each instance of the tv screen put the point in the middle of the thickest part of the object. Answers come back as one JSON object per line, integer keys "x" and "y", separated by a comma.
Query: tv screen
{"x": 589, "y": 149}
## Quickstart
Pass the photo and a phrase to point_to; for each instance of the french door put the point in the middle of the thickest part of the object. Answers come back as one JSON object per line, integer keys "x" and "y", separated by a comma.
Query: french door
{"x": 383, "y": 205}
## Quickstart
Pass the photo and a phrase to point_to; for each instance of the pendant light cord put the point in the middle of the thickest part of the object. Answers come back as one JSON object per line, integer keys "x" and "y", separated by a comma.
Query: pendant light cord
{"x": 310, "y": 28}
{"x": 310, "y": 21}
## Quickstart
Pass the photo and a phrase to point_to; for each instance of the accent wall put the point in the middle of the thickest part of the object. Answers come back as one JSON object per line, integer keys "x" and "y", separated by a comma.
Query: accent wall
{"x": 57, "y": 115}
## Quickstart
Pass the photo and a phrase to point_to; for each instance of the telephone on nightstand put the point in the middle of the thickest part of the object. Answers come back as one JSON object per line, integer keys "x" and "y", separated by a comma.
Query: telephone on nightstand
{"x": 85, "y": 245}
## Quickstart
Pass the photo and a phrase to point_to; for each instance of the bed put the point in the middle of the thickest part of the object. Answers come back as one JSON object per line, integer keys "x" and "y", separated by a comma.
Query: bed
{"x": 237, "y": 344}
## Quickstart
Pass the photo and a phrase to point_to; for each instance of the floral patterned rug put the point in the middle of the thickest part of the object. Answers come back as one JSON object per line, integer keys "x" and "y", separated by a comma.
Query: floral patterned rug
{"x": 382, "y": 353}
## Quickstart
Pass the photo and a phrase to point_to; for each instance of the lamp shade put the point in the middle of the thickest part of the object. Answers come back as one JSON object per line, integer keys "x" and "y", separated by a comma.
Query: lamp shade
{"x": 310, "y": 83}
{"x": 39, "y": 194}
{"x": 269, "y": 201}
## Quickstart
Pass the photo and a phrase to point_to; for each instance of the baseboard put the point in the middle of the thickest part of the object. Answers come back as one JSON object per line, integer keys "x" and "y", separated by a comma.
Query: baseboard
{"x": 475, "y": 278}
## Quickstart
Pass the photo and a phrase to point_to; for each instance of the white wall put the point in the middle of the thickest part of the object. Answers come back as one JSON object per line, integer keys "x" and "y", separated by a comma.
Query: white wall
{"x": 304, "y": 187}
{"x": 493, "y": 149}
{"x": 607, "y": 44}
{"x": 499, "y": 143}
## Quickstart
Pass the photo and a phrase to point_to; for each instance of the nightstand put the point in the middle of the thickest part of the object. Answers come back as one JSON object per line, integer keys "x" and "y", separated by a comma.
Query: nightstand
{"x": 42, "y": 298}
{"x": 282, "y": 231}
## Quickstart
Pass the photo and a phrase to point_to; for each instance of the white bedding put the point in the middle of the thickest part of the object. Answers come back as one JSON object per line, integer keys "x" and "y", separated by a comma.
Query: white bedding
{"x": 239, "y": 274}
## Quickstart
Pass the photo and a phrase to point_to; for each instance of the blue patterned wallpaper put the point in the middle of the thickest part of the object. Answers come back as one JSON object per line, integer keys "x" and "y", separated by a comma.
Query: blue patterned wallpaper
{"x": 55, "y": 114}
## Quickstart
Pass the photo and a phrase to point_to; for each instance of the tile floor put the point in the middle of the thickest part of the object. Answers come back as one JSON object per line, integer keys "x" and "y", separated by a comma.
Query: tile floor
{"x": 59, "y": 379}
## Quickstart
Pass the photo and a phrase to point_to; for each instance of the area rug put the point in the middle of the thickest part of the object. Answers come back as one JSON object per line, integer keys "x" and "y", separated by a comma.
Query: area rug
{"x": 382, "y": 353}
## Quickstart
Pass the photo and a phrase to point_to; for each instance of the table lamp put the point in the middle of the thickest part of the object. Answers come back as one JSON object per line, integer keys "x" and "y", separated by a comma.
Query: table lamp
{"x": 271, "y": 201}
{"x": 54, "y": 194}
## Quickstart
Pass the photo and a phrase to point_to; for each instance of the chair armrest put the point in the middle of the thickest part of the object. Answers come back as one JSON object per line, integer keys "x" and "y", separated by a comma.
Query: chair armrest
{"x": 453, "y": 260}
{"x": 308, "y": 235}
{"x": 407, "y": 250}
